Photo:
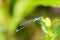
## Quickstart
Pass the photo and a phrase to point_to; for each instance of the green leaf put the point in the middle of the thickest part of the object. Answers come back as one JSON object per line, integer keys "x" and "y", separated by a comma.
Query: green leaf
{"x": 46, "y": 25}
{"x": 56, "y": 27}
{"x": 58, "y": 30}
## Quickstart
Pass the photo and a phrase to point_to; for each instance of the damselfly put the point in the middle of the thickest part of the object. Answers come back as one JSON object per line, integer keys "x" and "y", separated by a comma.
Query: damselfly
{"x": 26, "y": 23}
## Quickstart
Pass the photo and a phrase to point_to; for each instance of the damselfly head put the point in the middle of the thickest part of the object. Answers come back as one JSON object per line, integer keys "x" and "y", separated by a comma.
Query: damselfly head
{"x": 38, "y": 18}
